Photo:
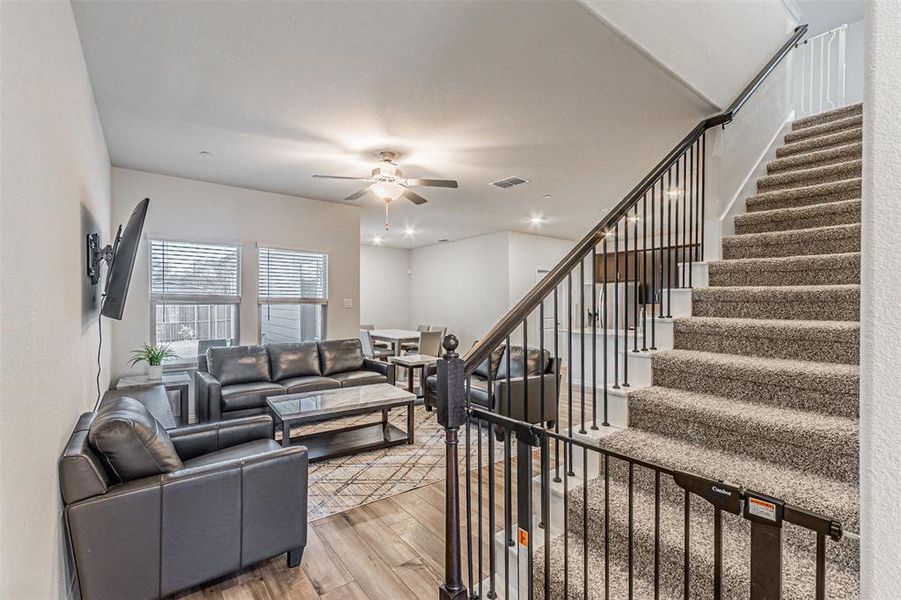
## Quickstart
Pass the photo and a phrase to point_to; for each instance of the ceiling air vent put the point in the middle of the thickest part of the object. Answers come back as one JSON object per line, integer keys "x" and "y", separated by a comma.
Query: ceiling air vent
{"x": 509, "y": 182}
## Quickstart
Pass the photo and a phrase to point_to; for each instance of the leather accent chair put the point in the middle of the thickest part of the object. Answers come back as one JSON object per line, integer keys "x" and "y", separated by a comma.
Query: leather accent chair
{"x": 234, "y": 382}
{"x": 224, "y": 497}
{"x": 525, "y": 380}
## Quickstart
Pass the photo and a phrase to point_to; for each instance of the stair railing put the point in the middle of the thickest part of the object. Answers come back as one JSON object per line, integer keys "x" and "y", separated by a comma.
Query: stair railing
{"x": 632, "y": 261}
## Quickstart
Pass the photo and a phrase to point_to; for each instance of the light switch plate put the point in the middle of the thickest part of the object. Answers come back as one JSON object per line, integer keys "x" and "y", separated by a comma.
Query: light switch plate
{"x": 348, "y": 303}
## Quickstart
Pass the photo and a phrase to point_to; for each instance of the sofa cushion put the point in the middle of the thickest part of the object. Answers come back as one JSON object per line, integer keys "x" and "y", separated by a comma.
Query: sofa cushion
{"x": 355, "y": 378}
{"x": 296, "y": 385}
{"x": 130, "y": 443}
{"x": 537, "y": 362}
{"x": 241, "y": 396}
{"x": 238, "y": 364}
{"x": 294, "y": 360}
{"x": 245, "y": 450}
{"x": 337, "y": 356}
{"x": 491, "y": 363}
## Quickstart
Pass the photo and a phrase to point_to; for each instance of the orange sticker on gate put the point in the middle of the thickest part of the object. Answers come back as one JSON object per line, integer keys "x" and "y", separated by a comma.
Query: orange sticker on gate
{"x": 523, "y": 537}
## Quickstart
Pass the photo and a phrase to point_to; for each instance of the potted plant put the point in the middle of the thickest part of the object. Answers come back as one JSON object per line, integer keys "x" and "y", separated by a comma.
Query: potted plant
{"x": 154, "y": 357}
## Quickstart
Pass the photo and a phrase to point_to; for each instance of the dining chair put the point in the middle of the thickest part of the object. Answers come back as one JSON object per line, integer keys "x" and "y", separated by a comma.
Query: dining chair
{"x": 367, "y": 327}
{"x": 369, "y": 350}
{"x": 441, "y": 328}
{"x": 429, "y": 343}
{"x": 413, "y": 347}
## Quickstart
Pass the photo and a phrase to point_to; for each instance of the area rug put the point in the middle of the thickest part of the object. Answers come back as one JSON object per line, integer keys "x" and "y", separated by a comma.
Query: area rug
{"x": 342, "y": 483}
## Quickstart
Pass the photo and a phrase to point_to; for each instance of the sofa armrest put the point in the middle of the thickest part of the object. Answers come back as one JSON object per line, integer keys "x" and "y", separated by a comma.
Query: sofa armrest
{"x": 510, "y": 401}
{"x": 209, "y": 396}
{"x": 386, "y": 369}
{"x": 195, "y": 440}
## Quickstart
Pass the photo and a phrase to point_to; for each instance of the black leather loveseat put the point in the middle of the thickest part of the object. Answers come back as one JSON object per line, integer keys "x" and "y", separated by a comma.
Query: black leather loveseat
{"x": 508, "y": 394}
{"x": 235, "y": 382}
{"x": 150, "y": 511}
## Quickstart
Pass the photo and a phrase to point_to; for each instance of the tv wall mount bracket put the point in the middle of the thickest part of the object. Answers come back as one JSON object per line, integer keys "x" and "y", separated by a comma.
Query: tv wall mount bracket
{"x": 96, "y": 256}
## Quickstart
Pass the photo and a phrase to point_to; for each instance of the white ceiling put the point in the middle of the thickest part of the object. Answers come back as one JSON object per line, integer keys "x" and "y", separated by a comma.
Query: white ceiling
{"x": 474, "y": 91}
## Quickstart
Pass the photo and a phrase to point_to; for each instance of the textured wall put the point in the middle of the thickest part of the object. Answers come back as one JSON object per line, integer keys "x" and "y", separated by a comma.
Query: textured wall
{"x": 880, "y": 410}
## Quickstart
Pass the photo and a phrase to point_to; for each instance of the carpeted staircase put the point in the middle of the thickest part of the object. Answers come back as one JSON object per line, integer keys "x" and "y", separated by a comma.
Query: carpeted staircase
{"x": 760, "y": 390}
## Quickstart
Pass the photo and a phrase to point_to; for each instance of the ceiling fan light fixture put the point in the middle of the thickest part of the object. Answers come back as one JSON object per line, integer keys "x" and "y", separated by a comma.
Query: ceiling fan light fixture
{"x": 387, "y": 190}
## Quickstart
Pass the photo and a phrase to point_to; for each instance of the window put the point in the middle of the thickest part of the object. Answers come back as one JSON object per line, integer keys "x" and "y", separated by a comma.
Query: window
{"x": 195, "y": 295}
{"x": 293, "y": 295}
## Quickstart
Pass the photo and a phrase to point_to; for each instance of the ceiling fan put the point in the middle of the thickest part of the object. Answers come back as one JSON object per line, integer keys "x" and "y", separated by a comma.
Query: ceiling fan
{"x": 388, "y": 183}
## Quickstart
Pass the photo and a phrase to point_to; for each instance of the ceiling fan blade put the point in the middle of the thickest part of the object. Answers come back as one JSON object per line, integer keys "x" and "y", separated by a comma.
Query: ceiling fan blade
{"x": 341, "y": 177}
{"x": 445, "y": 183}
{"x": 357, "y": 195}
{"x": 414, "y": 197}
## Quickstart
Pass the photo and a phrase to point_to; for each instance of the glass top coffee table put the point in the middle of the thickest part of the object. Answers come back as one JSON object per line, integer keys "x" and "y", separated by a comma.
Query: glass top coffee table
{"x": 312, "y": 407}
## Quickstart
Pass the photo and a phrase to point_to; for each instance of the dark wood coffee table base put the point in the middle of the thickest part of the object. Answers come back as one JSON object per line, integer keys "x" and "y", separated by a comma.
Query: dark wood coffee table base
{"x": 333, "y": 443}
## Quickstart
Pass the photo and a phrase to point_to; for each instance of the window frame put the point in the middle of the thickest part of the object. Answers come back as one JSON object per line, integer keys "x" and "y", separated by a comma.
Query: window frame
{"x": 193, "y": 300}
{"x": 292, "y": 301}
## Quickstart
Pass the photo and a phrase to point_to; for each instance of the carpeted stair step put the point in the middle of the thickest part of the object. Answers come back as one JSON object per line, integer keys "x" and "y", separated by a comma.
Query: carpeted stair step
{"x": 822, "y": 341}
{"x": 804, "y": 177}
{"x": 827, "y": 388}
{"x": 636, "y": 537}
{"x": 814, "y": 442}
{"x": 843, "y": 212}
{"x": 817, "y": 158}
{"x": 805, "y": 302}
{"x": 832, "y": 140}
{"x": 823, "y": 129}
{"x": 817, "y": 269}
{"x": 820, "y": 193}
{"x": 836, "y": 239}
{"x": 852, "y": 110}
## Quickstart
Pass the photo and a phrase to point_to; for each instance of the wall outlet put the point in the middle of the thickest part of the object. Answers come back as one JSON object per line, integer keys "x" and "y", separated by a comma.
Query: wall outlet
{"x": 348, "y": 303}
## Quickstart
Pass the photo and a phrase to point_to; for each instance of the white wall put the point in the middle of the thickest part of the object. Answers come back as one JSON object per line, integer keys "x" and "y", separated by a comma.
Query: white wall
{"x": 183, "y": 209}
{"x": 469, "y": 284}
{"x": 880, "y": 329}
{"x": 854, "y": 63}
{"x": 385, "y": 287}
{"x": 55, "y": 190}
{"x": 713, "y": 46}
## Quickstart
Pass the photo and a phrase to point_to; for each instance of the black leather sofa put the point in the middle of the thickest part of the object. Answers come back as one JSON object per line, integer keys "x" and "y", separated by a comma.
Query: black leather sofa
{"x": 150, "y": 511}
{"x": 508, "y": 394}
{"x": 235, "y": 382}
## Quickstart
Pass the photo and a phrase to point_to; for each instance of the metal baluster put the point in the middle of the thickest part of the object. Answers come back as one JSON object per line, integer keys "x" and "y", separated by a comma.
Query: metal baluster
{"x": 717, "y": 554}
{"x": 525, "y": 371}
{"x": 492, "y": 552}
{"x": 605, "y": 323}
{"x": 569, "y": 379}
{"x": 684, "y": 200}
{"x": 616, "y": 306}
{"x": 635, "y": 219}
{"x": 690, "y": 202}
{"x": 546, "y": 514}
{"x": 644, "y": 271}
{"x": 584, "y": 524}
{"x": 625, "y": 303}
{"x": 675, "y": 248}
{"x": 662, "y": 246}
{"x": 631, "y": 527}
{"x": 541, "y": 398}
{"x": 469, "y": 495}
{"x": 594, "y": 336}
{"x": 656, "y": 534}
{"x": 508, "y": 512}
{"x": 669, "y": 251}
{"x": 556, "y": 389}
{"x": 686, "y": 560}
{"x": 821, "y": 567}
{"x": 479, "y": 491}
{"x": 567, "y": 455}
{"x": 606, "y": 526}
{"x": 703, "y": 188}
{"x": 653, "y": 272}
{"x": 582, "y": 345}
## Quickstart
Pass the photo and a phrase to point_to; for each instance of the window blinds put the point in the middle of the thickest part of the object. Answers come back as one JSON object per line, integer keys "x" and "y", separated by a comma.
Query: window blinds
{"x": 292, "y": 276}
{"x": 199, "y": 273}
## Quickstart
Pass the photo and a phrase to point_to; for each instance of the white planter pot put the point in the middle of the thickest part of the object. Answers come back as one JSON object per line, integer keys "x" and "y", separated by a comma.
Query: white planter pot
{"x": 155, "y": 372}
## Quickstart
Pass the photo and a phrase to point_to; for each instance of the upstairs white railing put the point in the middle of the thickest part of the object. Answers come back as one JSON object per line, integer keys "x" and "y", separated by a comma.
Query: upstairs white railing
{"x": 820, "y": 72}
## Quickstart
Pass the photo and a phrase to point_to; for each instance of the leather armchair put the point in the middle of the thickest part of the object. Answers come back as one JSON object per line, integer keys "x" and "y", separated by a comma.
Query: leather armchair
{"x": 238, "y": 498}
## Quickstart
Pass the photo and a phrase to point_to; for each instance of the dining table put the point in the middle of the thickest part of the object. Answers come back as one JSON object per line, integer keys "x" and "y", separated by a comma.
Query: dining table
{"x": 395, "y": 337}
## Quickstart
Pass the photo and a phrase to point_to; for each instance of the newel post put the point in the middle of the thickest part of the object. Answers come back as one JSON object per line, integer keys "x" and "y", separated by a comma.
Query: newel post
{"x": 451, "y": 415}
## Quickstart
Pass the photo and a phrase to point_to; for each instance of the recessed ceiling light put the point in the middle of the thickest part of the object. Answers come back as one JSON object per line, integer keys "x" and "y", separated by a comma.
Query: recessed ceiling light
{"x": 377, "y": 240}
{"x": 536, "y": 220}
{"x": 548, "y": 196}
{"x": 409, "y": 231}
{"x": 206, "y": 153}
{"x": 443, "y": 241}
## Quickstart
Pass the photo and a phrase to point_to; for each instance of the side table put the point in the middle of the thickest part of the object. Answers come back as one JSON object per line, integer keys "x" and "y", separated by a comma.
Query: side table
{"x": 178, "y": 381}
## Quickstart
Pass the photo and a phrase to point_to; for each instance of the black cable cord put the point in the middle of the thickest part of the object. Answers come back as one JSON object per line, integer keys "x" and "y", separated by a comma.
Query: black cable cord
{"x": 99, "y": 352}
